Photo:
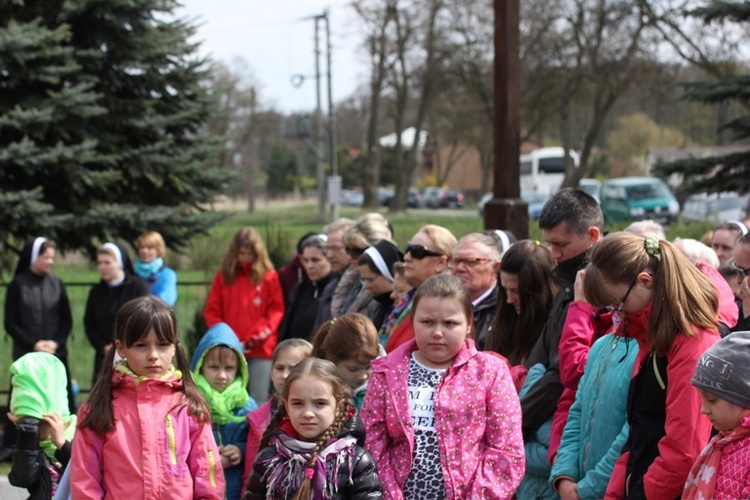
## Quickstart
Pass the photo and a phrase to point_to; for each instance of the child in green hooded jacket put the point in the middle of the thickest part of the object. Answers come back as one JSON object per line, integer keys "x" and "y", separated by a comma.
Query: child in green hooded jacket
{"x": 39, "y": 409}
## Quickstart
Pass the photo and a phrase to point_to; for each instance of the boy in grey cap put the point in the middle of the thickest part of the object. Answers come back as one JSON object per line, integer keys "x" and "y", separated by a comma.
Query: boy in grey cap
{"x": 722, "y": 377}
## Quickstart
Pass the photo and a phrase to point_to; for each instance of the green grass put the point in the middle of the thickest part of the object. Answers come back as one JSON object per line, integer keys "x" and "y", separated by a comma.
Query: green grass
{"x": 281, "y": 227}
{"x": 200, "y": 262}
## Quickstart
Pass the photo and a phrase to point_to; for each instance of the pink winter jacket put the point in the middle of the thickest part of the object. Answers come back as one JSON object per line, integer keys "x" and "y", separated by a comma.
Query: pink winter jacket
{"x": 478, "y": 421}
{"x": 157, "y": 450}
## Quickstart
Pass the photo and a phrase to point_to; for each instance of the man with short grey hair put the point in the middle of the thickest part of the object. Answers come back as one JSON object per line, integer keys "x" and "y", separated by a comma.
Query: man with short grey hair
{"x": 476, "y": 262}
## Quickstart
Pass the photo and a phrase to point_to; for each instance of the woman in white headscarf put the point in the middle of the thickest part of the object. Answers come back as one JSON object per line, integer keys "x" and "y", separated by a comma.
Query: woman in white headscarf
{"x": 37, "y": 313}
{"x": 117, "y": 286}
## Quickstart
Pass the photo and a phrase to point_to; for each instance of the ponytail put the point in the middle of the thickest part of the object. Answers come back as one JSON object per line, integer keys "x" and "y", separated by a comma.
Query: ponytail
{"x": 99, "y": 417}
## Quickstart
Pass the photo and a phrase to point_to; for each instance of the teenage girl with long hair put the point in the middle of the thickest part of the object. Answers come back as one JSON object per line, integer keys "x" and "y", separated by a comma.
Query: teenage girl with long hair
{"x": 671, "y": 308}
{"x": 246, "y": 295}
{"x": 527, "y": 288}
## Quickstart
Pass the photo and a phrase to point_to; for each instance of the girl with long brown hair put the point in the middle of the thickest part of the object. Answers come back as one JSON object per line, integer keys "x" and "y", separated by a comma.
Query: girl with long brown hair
{"x": 145, "y": 426}
{"x": 671, "y": 308}
{"x": 246, "y": 295}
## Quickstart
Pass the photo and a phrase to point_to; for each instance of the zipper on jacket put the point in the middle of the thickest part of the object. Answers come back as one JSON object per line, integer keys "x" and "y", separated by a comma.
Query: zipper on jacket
{"x": 211, "y": 467}
{"x": 172, "y": 441}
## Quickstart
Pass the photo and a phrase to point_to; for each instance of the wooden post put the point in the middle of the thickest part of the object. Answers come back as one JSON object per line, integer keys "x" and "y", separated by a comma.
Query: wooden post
{"x": 506, "y": 210}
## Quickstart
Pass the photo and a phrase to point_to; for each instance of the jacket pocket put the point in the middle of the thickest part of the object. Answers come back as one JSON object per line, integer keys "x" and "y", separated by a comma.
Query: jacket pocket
{"x": 171, "y": 440}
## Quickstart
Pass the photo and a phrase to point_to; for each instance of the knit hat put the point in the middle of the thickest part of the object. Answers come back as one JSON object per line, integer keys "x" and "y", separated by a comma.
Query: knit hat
{"x": 384, "y": 254}
{"x": 724, "y": 370}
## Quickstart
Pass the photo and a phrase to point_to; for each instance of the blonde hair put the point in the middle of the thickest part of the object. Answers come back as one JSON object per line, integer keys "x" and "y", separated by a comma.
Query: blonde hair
{"x": 684, "y": 300}
{"x": 367, "y": 230}
{"x": 247, "y": 237}
{"x": 441, "y": 238}
{"x": 154, "y": 240}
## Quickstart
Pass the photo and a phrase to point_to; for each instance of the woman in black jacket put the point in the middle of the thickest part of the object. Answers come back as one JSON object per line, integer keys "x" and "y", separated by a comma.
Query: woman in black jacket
{"x": 37, "y": 313}
{"x": 117, "y": 286}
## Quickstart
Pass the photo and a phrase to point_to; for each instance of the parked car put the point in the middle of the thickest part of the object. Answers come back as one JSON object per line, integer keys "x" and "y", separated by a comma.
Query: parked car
{"x": 385, "y": 196}
{"x": 535, "y": 200}
{"x": 636, "y": 198}
{"x": 431, "y": 197}
{"x": 714, "y": 207}
{"x": 443, "y": 198}
{"x": 413, "y": 198}
{"x": 591, "y": 186}
{"x": 351, "y": 198}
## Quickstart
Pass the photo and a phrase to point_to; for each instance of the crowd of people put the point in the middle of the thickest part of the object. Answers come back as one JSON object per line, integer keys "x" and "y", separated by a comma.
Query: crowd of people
{"x": 471, "y": 367}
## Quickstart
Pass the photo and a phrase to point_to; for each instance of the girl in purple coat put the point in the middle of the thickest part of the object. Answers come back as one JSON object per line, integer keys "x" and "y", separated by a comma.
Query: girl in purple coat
{"x": 443, "y": 420}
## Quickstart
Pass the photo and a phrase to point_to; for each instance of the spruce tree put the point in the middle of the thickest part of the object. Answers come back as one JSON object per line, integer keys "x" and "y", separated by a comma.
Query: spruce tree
{"x": 102, "y": 105}
{"x": 729, "y": 172}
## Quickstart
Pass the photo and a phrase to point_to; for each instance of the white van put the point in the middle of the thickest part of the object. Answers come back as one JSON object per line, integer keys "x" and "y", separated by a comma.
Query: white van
{"x": 543, "y": 170}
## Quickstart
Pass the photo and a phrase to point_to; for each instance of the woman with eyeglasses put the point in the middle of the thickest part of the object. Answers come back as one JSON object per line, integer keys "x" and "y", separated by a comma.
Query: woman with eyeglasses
{"x": 427, "y": 254}
{"x": 672, "y": 309}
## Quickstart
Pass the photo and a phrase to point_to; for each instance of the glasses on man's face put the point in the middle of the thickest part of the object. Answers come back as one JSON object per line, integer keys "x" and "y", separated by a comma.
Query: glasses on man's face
{"x": 419, "y": 252}
{"x": 332, "y": 248}
{"x": 470, "y": 262}
{"x": 354, "y": 252}
{"x": 627, "y": 294}
{"x": 744, "y": 270}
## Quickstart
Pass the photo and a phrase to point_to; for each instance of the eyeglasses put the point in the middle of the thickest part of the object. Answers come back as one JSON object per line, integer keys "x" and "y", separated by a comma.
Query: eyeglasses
{"x": 354, "y": 251}
{"x": 332, "y": 248}
{"x": 419, "y": 252}
{"x": 744, "y": 270}
{"x": 627, "y": 294}
{"x": 470, "y": 262}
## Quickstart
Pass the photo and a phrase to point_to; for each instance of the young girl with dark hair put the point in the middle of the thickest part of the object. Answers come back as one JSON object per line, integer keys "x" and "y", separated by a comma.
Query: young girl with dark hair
{"x": 671, "y": 308}
{"x": 313, "y": 448}
{"x": 145, "y": 427}
{"x": 246, "y": 295}
{"x": 351, "y": 342}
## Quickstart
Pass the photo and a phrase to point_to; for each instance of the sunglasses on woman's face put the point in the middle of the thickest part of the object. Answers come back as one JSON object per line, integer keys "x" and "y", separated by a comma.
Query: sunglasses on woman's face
{"x": 419, "y": 252}
{"x": 354, "y": 252}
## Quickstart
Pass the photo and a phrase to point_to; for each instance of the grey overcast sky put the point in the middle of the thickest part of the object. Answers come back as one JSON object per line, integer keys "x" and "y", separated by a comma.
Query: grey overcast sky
{"x": 276, "y": 41}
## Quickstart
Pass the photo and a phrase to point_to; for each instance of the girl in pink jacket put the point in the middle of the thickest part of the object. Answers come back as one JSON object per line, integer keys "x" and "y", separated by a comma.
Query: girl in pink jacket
{"x": 145, "y": 431}
{"x": 443, "y": 420}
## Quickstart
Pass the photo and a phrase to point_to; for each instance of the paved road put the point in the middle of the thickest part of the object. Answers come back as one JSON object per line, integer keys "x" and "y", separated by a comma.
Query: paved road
{"x": 9, "y": 492}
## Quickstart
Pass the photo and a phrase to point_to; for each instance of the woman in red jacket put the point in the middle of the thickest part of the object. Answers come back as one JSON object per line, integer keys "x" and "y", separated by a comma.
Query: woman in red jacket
{"x": 671, "y": 308}
{"x": 246, "y": 294}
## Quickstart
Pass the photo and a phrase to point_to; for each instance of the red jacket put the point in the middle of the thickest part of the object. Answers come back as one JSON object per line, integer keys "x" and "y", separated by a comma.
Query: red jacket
{"x": 687, "y": 430}
{"x": 249, "y": 309}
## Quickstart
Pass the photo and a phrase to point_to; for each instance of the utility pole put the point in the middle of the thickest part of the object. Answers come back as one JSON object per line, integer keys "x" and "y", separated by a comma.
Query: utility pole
{"x": 335, "y": 184}
{"x": 319, "y": 132}
{"x": 332, "y": 185}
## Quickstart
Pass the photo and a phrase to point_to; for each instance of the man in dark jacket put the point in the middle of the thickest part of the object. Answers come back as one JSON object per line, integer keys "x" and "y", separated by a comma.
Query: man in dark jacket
{"x": 571, "y": 222}
{"x": 476, "y": 262}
